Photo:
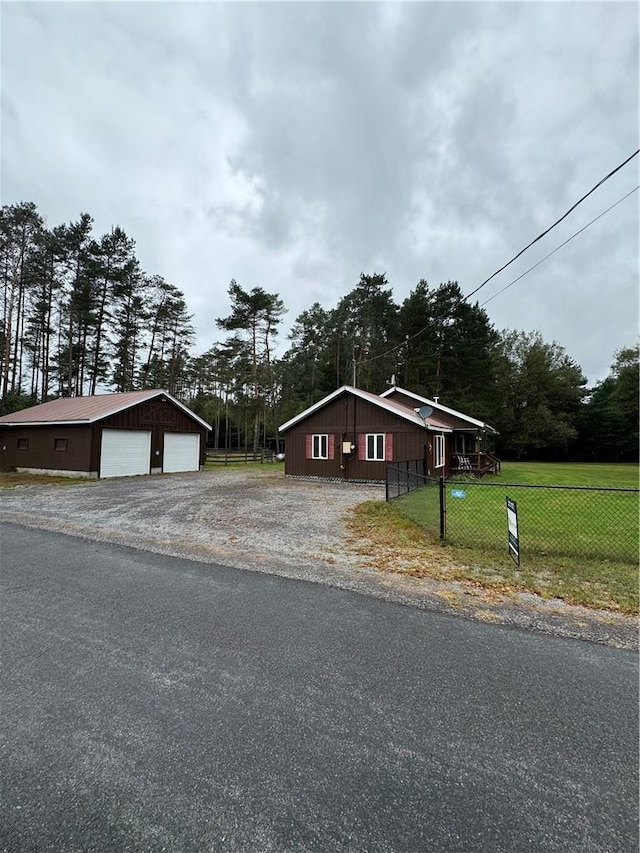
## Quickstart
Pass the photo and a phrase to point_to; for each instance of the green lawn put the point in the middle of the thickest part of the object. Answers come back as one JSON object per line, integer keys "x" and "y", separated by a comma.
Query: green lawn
{"x": 211, "y": 465}
{"x": 619, "y": 476}
{"x": 572, "y": 534}
{"x": 568, "y": 522}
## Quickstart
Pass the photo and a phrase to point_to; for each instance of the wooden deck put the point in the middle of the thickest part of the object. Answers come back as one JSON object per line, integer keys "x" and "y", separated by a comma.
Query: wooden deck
{"x": 475, "y": 464}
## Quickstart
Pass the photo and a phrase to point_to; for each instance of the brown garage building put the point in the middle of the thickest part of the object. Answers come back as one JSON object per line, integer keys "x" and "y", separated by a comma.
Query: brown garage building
{"x": 108, "y": 435}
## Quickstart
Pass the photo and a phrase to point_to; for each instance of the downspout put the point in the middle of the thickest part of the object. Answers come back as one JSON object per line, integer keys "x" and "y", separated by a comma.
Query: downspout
{"x": 344, "y": 459}
{"x": 355, "y": 434}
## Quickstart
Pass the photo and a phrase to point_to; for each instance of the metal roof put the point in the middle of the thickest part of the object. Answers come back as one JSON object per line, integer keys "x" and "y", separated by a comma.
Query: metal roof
{"x": 401, "y": 409}
{"x": 437, "y": 405}
{"x": 389, "y": 405}
{"x": 88, "y": 410}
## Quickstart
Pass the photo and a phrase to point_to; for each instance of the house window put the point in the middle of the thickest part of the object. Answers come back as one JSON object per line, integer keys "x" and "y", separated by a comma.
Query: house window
{"x": 59, "y": 443}
{"x": 438, "y": 451}
{"x": 23, "y": 444}
{"x": 320, "y": 447}
{"x": 375, "y": 447}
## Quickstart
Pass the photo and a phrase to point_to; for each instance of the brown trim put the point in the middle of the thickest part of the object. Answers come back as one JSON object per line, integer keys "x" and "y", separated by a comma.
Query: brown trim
{"x": 388, "y": 447}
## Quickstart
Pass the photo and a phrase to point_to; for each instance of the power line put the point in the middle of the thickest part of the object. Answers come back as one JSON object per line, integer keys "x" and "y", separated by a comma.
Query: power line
{"x": 557, "y": 222}
{"x": 568, "y": 240}
{"x": 522, "y": 251}
{"x": 584, "y": 228}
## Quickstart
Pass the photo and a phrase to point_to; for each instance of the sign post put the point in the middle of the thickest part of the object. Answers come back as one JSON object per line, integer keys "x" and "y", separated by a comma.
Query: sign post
{"x": 512, "y": 521}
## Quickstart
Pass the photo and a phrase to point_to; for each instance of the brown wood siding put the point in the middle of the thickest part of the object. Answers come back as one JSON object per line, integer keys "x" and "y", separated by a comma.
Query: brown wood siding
{"x": 159, "y": 417}
{"x": 41, "y": 451}
{"x": 346, "y": 417}
{"x": 83, "y": 441}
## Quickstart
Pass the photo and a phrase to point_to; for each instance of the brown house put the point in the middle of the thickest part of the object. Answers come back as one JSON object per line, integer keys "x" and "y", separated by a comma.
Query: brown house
{"x": 352, "y": 434}
{"x": 108, "y": 435}
{"x": 471, "y": 445}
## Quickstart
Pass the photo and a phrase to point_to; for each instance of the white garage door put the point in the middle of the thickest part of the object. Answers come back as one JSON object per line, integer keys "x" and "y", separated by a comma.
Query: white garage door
{"x": 125, "y": 452}
{"x": 181, "y": 452}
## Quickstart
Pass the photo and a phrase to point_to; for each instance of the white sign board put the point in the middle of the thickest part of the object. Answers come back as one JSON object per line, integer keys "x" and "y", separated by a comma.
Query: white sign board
{"x": 512, "y": 521}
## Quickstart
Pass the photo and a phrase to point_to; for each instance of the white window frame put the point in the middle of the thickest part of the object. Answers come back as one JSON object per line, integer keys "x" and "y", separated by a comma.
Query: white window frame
{"x": 320, "y": 442}
{"x": 379, "y": 438}
{"x": 438, "y": 450}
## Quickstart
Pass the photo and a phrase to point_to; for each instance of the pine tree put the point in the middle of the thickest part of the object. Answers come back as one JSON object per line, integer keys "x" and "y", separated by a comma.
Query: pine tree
{"x": 129, "y": 314}
{"x": 115, "y": 260}
{"x": 171, "y": 336}
{"x": 366, "y": 330}
{"x": 450, "y": 349}
{"x": 20, "y": 227}
{"x": 255, "y": 315}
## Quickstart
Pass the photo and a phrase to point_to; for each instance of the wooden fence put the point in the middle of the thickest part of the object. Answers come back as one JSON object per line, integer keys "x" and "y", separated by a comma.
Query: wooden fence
{"x": 238, "y": 455}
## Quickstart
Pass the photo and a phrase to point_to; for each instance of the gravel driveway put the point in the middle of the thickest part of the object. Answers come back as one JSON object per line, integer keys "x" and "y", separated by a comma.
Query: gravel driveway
{"x": 257, "y": 519}
{"x": 248, "y": 518}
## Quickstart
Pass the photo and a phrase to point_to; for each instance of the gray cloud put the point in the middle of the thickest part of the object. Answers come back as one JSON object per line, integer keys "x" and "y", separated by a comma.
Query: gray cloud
{"x": 296, "y": 145}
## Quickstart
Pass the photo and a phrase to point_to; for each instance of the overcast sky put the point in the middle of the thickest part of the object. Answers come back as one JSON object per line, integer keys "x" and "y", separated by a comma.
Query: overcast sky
{"x": 293, "y": 146}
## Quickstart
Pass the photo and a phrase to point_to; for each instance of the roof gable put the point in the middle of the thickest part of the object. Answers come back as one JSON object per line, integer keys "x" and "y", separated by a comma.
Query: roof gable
{"x": 398, "y": 409}
{"x": 425, "y": 401}
{"x": 88, "y": 410}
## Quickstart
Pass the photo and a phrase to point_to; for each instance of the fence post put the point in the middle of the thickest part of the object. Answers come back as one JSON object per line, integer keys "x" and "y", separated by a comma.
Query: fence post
{"x": 386, "y": 483}
{"x": 443, "y": 509}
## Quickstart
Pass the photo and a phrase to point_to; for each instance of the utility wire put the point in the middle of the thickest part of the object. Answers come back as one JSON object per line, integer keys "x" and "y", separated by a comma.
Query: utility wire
{"x": 522, "y": 251}
{"x": 393, "y": 349}
{"x": 568, "y": 240}
{"x": 557, "y": 222}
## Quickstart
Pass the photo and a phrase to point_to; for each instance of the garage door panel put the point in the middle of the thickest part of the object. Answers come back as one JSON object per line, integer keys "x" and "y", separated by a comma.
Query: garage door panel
{"x": 125, "y": 453}
{"x": 181, "y": 452}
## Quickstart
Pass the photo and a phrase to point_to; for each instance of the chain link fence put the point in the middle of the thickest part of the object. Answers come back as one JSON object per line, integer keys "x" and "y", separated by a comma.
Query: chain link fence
{"x": 582, "y": 521}
{"x": 419, "y": 495}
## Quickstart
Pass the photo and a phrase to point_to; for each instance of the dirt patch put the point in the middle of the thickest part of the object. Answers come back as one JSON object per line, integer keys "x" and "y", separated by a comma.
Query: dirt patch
{"x": 257, "y": 519}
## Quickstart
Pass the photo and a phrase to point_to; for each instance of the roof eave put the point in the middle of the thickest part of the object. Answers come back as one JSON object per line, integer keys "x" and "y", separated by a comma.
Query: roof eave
{"x": 439, "y": 405}
{"x": 83, "y": 422}
{"x": 311, "y": 409}
{"x": 187, "y": 411}
{"x": 152, "y": 395}
{"x": 409, "y": 416}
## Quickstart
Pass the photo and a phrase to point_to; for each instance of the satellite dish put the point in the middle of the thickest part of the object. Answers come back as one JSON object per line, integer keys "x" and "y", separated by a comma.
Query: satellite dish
{"x": 425, "y": 412}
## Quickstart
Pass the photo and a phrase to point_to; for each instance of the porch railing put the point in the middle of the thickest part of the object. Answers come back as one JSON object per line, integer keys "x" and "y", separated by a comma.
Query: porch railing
{"x": 475, "y": 463}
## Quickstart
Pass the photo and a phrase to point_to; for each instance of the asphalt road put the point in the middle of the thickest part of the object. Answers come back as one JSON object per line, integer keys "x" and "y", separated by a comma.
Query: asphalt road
{"x": 151, "y": 703}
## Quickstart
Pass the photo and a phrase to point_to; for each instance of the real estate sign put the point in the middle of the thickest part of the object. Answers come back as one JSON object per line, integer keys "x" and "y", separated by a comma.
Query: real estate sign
{"x": 512, "y": 521}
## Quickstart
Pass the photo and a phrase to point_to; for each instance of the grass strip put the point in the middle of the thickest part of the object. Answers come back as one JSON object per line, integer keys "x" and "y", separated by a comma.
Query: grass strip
{"x": 563, "y": 522}
{"x": 12, "y": 479}
{"x": 391, "y": 542}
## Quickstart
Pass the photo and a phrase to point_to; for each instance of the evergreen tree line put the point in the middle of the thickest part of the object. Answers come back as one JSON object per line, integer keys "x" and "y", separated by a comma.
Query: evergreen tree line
{"x": 79, "y": 316}
{"x": 79, "y": 313}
